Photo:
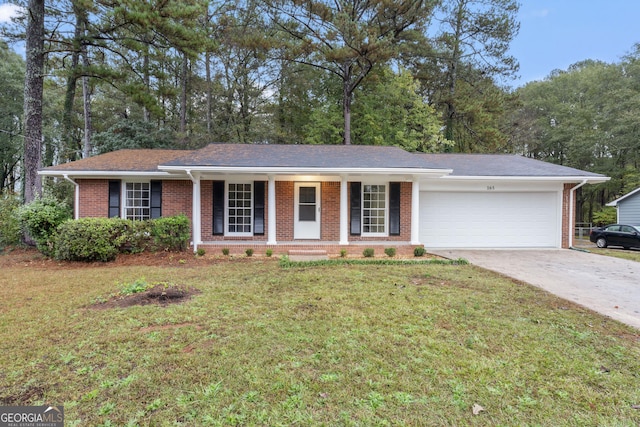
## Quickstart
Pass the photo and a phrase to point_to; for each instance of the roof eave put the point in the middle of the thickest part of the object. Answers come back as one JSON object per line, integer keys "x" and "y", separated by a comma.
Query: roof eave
{"x": 307, "y": 170}
{"x": 616, "y": 201}
{"x": 101, "y": 174}
{"x": 577, "y": 178}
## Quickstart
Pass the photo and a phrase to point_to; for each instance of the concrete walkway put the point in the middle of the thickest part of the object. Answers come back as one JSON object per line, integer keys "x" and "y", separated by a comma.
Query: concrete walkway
{"x": 608, "y": 285}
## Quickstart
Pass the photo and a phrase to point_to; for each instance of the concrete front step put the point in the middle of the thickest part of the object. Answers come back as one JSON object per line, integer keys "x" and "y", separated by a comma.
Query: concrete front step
{"x": 308, "y": 255}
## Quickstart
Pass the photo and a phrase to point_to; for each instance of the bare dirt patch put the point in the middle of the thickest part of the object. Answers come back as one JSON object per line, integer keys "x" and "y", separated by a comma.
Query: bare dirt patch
{"x": 160, "y": 294}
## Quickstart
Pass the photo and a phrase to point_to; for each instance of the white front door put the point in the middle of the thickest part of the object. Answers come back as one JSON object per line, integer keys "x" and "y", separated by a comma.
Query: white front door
{"x": 306, "y": 221}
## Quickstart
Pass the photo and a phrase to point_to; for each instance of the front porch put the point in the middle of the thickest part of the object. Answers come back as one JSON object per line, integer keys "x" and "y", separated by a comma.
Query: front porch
{"x": 332, "y": 249}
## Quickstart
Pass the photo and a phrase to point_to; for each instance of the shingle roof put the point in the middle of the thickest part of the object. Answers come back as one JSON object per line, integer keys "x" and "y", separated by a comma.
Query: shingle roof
{"x": 318, "y": 156}
{"x": 501, "y": 165}
{"x": 299, "y": 156}
{"x": 129, "y": 160}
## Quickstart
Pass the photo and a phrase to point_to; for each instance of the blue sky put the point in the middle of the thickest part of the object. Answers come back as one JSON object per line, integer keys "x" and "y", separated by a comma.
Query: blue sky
{"x": 555, "y": 34}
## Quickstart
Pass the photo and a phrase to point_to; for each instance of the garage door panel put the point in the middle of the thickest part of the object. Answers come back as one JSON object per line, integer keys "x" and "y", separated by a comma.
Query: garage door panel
{"x": 467, "y": 219}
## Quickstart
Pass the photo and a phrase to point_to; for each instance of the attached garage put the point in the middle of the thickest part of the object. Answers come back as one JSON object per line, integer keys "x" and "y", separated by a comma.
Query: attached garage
{"x": 490, "y": 219}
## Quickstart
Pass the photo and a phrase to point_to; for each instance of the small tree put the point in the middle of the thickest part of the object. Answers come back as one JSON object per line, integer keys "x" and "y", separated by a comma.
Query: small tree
{"x": 40, "y": 219}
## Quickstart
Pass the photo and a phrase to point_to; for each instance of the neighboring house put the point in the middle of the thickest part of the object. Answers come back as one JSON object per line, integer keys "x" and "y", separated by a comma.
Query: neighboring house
{"x": 333, "y": 197}
{"x": 628, "y": 208}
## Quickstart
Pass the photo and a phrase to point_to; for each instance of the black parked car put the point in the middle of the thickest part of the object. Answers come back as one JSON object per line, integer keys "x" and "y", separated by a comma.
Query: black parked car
{"x": 627, "y": 236}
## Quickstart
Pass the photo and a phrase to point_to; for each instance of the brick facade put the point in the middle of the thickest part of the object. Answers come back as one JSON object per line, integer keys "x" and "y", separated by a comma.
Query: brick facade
{"x": 177, "y": 199}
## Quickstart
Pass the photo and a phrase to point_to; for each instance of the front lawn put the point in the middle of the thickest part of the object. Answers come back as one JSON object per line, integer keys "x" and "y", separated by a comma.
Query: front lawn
{"x": 350, "y": 345}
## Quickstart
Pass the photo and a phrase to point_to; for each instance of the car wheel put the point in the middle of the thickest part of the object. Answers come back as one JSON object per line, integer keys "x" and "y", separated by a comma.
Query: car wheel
{"x": 601, "y": 242}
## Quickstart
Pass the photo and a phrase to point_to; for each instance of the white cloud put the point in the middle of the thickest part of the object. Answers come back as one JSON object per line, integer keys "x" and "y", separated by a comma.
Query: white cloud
{"x": 8, "y": 11}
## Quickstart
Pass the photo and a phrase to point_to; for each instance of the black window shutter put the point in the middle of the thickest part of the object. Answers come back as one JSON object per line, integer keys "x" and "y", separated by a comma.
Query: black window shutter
{"x": 114, "y": 199}
{"x": 258, "y": 207}
{"x": 356, "y": 208}
{"x": 394, "y": 208}
{"x": 218, "y": 207}
{"x": 156, "y": 199}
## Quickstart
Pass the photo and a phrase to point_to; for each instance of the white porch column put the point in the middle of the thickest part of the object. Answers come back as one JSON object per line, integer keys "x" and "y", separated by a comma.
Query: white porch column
{"x": 344, "y": 212}
{"x": 195, "y": 210}
{"x": 415, "y": 211}
{"x": 271, "y": 211}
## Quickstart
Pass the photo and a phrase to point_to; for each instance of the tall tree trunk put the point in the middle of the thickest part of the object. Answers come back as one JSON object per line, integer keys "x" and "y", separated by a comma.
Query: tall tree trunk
{"x": 86, "y": 97}
{"x": 207, "y": 58}
{"x": 33, "y": 89}
{"x": 183, "y": 96}
{"x": 347, "y": 93}
{"x": 70, "y": 146}
{"x": 147, "y": 83}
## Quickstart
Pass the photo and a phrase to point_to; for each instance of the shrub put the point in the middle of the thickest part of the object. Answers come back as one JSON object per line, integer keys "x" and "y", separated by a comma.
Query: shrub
{"x": 9, "y": 224}
{"x": 269, "y": 252}
{"x": 368, "y": 252}
{"x": 419, "y": 251}
{"x": 249, "y": 252}
{"x": 608, "y": 215}
{"x": 90, "y": 239}
{"x": 225, "y": 251}
{"x": 390, "y": 252}
{"x": 200, "y": 252}
{"x": 140, "y": 285}
{"x": 171, "y": 233}
{"x": 40, "y": 219}
{"x": 343, "y": 253}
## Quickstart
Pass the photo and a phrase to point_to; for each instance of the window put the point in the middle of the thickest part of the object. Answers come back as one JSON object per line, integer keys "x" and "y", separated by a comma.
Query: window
{"x": 137, "y": 201}
{"x": 239, "y": 209}
{"x": 374, "y": 209}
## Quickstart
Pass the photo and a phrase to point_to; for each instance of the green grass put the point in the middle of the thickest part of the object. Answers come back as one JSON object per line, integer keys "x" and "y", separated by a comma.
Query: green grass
{"x": 338, "y": 344}
{"x": 618, "y": 252}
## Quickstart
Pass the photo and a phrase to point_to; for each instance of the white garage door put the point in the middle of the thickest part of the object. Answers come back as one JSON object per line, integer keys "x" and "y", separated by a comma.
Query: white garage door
{"x": 489, "y": 220}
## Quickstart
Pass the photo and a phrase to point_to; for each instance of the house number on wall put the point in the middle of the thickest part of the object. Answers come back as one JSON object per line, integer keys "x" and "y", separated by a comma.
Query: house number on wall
{"x": 490, "y": 187}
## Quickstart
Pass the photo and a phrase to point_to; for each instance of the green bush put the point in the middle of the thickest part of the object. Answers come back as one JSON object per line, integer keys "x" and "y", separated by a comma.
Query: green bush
{"x": 225, "y": 251}
{"x": 419, "y": 251}
{"x": 343, "y": 253}
{"x": 368, "y": 252}
{"x": 101, "y": 239}
{"x": 390, "y": 252}
{"x": 41, "y": 218}
{"x": 9, "y": 223}
{"x": 249, "y": 252}
{"x": 269, "y": 252}
{"x": 608, "y": 215}
{"x": 90, "y": 239}
{"x": 200, "y": 252}
{"x": 171, "y": 233}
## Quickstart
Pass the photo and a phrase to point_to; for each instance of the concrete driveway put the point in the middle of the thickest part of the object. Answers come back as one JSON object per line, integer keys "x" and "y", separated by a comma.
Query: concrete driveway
{"x": 610, "y": 286}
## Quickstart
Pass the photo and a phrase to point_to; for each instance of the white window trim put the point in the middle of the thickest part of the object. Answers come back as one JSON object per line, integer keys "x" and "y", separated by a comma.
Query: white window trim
{"x": 386, "y": 210}
{"x": 226, "y": 209}
{"x": 123, "y": 196}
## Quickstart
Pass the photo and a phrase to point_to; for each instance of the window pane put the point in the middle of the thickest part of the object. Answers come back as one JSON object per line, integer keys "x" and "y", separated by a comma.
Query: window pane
{"x": 307, "y": 194}
{"x": 374, "y": 209}
{"x": 137, "y": 200}
{"x": 239, "y": 208}
{"x": 307, "y": 213}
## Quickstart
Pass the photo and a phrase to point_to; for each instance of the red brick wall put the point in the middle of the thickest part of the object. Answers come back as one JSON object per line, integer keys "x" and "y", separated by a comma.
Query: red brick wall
{"x": 206, "y": 217}
{"x": 94, "y": 198}
{"x": 177, "y": 199}
{"x": 284, "y": 210}
{"x": 405, "y": 217}
{"x": 330, "y": 204}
